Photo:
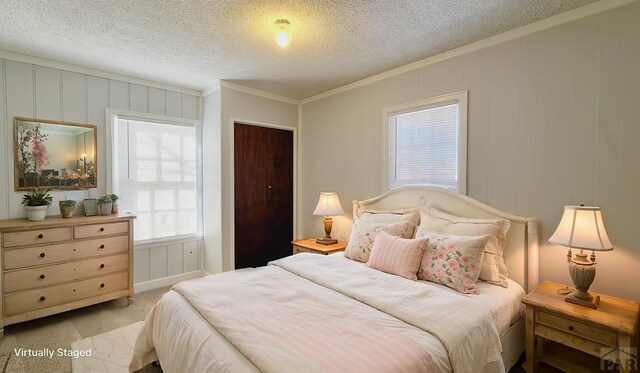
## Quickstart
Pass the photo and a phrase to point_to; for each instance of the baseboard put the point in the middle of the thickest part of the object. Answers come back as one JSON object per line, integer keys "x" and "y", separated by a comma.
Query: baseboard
{"x": 166, "y": 281}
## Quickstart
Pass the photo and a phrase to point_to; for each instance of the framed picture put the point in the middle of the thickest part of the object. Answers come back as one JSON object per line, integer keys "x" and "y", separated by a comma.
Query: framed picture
{"x": 90, "y": 207}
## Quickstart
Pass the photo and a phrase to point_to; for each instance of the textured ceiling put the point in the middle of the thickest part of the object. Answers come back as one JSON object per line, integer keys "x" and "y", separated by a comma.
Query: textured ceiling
{"x": 192, "y": 43}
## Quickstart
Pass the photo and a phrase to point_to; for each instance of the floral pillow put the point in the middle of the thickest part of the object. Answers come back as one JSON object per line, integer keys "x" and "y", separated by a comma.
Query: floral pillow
{"x": 494, "y": 270}
{"x": 453, "y": 261}
{"x": 363, "y": 234}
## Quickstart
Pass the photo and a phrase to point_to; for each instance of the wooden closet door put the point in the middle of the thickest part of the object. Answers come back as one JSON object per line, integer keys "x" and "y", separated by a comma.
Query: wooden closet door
{"x": 263, "y": 195}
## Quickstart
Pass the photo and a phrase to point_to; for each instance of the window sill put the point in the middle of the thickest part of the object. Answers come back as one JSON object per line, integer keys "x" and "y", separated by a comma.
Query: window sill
{"x": 166, "y": 240}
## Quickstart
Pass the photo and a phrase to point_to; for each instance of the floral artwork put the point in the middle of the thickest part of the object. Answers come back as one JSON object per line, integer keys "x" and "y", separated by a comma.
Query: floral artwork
{"x": 34, "y": 161}
{"x": 32, "y": 155}
{"x": 454, "y": 261}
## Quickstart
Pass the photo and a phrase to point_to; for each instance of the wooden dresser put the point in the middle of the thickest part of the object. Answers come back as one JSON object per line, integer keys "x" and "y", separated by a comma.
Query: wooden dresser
{"x": 60, "y": 264}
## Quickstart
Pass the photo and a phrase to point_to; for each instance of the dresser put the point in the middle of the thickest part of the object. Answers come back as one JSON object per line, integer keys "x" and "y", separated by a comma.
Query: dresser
{"x": 60, "y": 264}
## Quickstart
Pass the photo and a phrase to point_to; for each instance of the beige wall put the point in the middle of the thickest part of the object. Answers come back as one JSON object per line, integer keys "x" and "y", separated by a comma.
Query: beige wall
{"x": 220, "y": 108}
{"x": 212, "y": 182}
{"x": 554, "y": 119}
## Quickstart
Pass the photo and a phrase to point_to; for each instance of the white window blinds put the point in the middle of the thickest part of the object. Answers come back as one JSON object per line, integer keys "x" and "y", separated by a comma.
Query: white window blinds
{"x": 423, "y": 147}
{"x": 157, "y": 177}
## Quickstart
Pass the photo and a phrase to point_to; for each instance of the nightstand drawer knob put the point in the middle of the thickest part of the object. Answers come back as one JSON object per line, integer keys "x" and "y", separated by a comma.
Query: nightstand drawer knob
{"x": 571, "y": 327}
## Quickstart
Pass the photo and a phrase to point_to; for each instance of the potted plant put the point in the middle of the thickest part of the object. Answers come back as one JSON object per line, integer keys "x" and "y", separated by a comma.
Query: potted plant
{"x": 105, "y": 205}
{"x": 36, "y": 203}
{"x": 67, "y": 207}
{"x": 114, "y": 206}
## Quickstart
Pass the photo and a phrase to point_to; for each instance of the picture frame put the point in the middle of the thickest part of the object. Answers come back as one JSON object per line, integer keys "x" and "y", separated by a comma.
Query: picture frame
{"x": 90, "y": 206}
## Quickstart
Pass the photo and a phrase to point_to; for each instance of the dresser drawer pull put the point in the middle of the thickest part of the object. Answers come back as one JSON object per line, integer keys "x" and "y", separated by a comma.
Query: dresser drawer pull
{"x": 102, "y": 246}
{"x": 41, "y": 236}
{"x": 42, "y": 255}
{"x": 102, "y": 285}
{"x": 571, "y": 327}
{"x": 101, "y": 229}
{"x": 102, "y": 265}
{"x": 42, "y": 298}
{"x": 42, "y": 276}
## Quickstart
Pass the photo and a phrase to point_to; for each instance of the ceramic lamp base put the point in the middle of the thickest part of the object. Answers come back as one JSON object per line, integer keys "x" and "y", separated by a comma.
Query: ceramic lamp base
{"x": 593, "y": 303}
{"x": 326, "y": 241}
{"x": 583, "y": 272}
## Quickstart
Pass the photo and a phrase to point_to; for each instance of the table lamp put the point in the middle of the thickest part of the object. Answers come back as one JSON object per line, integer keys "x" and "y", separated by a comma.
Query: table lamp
{"x": 581, "y": 227}
{"x": 328, "y": 206}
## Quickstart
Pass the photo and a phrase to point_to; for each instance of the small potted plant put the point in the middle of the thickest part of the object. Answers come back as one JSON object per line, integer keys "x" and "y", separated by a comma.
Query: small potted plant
{"x": 114, "y": 201}
{"x": 67, "y": 207}
{"x": 36, "y": 203}
{"x": 105, "y": 205}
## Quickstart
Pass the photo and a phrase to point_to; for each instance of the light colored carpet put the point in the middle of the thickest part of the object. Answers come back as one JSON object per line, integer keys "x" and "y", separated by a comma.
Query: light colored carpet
{"x": 110, "y": 352}
{"x": 59, "y": 331}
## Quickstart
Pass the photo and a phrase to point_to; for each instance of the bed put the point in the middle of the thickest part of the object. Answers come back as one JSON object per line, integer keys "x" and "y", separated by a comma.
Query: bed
{"x": 329, "y": 313}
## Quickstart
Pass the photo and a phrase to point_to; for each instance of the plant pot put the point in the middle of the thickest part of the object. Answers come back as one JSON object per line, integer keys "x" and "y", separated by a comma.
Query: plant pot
{"x": 36, "y": 213}
{"x": 105, "y": 208}
{"x": 66, "y": 208}
{"x": 114, "y": 208}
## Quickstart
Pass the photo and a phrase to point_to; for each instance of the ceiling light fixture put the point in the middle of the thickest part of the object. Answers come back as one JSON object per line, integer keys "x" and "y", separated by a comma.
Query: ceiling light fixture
{"x": 283, "y": 34}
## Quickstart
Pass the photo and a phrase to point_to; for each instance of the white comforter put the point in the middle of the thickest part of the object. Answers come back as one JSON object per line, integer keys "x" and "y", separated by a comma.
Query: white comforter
{"x": 409, "y": 308}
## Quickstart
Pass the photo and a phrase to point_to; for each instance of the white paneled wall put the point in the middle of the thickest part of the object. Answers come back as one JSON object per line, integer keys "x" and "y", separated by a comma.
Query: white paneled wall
{"x": 554, "y": 119}
{"x": 41, "y": 92}
{"x": 157, "y": 261}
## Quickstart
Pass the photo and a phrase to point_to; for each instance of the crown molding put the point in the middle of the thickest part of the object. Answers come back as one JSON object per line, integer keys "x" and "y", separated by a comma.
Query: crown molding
{"x": 558, "y": 19}
{"x": 258, "y": 92}
{"x": 211, "y": 88}
{"x": 88, "y": 71}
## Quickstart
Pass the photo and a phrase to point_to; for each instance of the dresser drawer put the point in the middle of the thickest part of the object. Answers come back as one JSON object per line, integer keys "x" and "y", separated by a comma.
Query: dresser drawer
{"x": 54, "y": 274}
{"x": 36, "y": 237}
{"x": 31, "y": 300}
{"x": 34, "y": 256}
{"x": 577, "y": 328}
{"x": 98, "y": 230}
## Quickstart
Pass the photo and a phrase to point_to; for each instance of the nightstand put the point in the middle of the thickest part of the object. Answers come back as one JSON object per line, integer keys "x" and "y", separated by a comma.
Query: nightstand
{"x": 575, "y": 338}
{"x": 309, "y": 245}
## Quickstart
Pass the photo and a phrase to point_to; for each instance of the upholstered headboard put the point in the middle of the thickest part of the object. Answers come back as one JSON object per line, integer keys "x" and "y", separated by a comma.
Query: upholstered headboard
{"x": 521, "y": 251}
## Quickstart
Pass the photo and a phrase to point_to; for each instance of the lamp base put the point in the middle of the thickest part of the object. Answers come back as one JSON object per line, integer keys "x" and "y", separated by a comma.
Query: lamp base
{"x": 326, "y": 241}
{"x": 593, "y": 303}
{"x": 582, "y": 272}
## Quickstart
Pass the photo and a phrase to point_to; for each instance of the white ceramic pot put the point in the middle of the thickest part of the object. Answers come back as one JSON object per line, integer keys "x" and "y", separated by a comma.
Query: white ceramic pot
{"x": 105, "y": 208}
{"x": 36, "y": 213}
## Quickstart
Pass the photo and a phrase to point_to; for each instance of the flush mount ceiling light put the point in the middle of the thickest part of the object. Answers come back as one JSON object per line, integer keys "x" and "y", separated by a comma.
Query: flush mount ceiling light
{"x": 283, "y": 34}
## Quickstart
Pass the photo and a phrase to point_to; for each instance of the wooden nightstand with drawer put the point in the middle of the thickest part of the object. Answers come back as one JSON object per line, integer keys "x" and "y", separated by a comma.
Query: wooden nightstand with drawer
{"x": 309, "y": 245}
{"x": 574, "y": 338}
{"x": 59, "y": 264}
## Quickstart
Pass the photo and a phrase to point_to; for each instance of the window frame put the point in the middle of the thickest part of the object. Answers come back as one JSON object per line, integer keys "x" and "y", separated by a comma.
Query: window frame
{"x": 461, "y": 98}
{"x": 112, "y": 117}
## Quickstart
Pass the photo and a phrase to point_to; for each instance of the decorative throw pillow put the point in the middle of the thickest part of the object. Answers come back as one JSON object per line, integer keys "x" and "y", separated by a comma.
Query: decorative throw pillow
{"x": 363, "y": 234}
{"x": 494, "y": 270}
{"x": 451, "y": 260}
{"x": 397, "y": 256}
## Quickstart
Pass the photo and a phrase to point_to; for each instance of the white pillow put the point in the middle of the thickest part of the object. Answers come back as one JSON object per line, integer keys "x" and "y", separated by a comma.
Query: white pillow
{"x": 390, "y": 216}
{"x": 363, "y": 234}
{"x": 493, "y": 268}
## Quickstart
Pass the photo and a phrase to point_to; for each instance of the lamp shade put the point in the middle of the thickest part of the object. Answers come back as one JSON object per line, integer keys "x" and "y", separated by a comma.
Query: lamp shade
{"x": 328, "y": 205}
{"x": 581, "y": 227}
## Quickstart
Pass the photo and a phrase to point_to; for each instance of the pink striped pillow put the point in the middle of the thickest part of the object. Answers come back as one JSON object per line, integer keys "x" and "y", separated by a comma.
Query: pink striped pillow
{"x": 397, "y": 256}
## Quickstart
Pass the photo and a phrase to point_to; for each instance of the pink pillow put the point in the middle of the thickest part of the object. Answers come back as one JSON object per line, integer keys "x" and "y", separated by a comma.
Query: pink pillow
{"x": 454, "y": 261}
{"x": 397, "y": 256}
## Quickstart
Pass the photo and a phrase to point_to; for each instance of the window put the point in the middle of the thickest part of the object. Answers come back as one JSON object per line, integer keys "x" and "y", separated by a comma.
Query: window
{"x": 154, "y": 172}
{"x": 427, "y": 143}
